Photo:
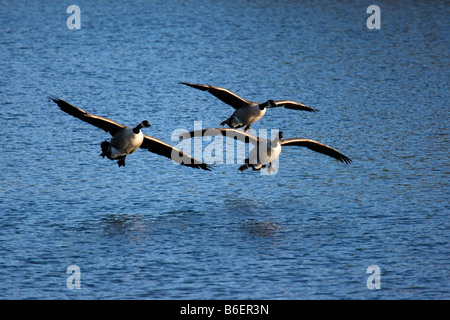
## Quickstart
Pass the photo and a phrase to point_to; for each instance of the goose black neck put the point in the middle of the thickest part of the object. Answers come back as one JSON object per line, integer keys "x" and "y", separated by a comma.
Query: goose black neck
{"x": 137, "y": 129}
{"x": 263, "y": 105}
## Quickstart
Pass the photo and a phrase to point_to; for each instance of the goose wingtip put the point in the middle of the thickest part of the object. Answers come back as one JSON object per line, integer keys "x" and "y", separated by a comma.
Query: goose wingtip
{"x": 346, "y": 160}
{"x": 206, "y": 167}
{"x": 53, "y": 98}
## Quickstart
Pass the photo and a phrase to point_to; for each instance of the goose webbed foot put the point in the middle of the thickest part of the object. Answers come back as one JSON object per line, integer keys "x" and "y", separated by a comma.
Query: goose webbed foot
{"x": 243, "y": 167}
{"x": 121, "y": 162}
{"x": 105, "y": 145}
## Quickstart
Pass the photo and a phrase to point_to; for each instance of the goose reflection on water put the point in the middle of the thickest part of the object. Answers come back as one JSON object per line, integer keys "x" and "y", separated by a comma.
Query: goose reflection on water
{"x": 124, "y": 224}
{"x": 262, "y": 229}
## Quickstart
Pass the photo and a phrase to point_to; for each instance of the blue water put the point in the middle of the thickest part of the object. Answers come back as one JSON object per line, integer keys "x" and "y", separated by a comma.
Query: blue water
{"x": 155, "y": 230}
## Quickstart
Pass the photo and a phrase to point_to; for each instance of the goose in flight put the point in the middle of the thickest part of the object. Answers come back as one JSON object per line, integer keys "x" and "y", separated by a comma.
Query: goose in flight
{"x": 247, "y": 112}
{"x": 267, "y": 151}
{"x": 125, "y": 140}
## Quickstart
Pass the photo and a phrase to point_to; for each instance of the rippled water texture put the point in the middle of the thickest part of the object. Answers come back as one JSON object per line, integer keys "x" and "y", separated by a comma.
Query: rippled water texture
{"x": 155, "y": 230}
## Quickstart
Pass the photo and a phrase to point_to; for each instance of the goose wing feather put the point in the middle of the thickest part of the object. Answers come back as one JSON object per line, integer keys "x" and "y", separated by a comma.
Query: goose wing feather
{"x": 222, "y": 94}
{"x": 166, "y": 150}
{"x": 293, "y": 105}
{"x": 227, "y": 132}
{"x": 316, "y": 146}
{"x": 100, "y": 122}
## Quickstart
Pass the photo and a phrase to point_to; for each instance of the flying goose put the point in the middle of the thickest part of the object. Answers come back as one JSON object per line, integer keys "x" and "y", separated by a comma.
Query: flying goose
{"x": 267, "y": 151}
{"x": 125, "y": 140}
{"x": 247, "y": 112}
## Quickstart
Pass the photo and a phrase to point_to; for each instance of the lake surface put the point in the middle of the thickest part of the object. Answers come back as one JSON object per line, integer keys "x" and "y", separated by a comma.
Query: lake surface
{"x": 157, "y": 230}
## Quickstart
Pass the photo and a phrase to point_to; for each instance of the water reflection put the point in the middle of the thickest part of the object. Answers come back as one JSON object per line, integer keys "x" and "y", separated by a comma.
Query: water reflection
{"x": 124, "y": 224}
{"x": 262, "y": 228}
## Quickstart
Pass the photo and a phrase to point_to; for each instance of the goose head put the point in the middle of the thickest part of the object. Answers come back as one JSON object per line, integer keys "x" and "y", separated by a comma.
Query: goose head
{"x": 145, "y": 124}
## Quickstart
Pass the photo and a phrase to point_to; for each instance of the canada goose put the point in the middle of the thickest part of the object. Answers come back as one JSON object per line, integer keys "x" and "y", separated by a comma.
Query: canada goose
{"x": 267, "y": 151}
{"x": 247, "y": 112}
{"x": 125, "y": 140}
